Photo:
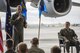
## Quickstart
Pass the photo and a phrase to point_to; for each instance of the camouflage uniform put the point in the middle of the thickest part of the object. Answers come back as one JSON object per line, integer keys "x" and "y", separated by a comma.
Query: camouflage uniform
{"x": 69, "y": 34}
{"x": 10, "y": 51}
{"x": 18, "y": 28}
{"x": 34, "y": 49}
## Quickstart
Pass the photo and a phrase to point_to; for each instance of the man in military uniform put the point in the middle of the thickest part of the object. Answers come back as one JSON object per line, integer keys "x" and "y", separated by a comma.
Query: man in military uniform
{"x": 18, "y": 22}
{"x": 69, "y": 37}
{"x": 34, "y": 48}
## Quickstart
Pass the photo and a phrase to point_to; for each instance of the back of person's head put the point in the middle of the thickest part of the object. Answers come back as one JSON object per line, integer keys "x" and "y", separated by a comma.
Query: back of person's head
{"x": 35, "y": 41}
{"x": 55, "y": 49}
{"x": 9, "y": 43}
{"x": 22, "y": 48}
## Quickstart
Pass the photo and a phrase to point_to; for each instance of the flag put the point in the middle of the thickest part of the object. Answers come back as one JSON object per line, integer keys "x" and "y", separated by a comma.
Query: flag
{"x": 42, "y": 7}
{"x": 24, "y": 10}
{"x": 8, "y": 27}
{"x": 1, "y": 39}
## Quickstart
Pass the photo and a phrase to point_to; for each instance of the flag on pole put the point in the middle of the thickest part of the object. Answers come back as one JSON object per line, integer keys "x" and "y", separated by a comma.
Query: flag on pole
{"x": 24, "y": 10}
{"x": 8, "y": 27}
{"x": 42, "y": 7}
{"x": 1, "y": 39}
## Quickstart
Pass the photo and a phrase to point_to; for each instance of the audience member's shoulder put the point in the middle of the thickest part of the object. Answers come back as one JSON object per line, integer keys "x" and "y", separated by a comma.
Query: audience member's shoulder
{"x": 35, "y": 50}
{"x": 41, "y": 50}
{"x": 10, "y": 51}
{"x": 30, "y": 49}
{"x": 55, "y": 49}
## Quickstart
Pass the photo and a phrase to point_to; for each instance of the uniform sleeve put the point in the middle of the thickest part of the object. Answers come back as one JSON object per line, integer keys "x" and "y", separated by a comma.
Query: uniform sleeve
{"x": 74, "y": 34}
{"x": 12, "y": 21}
{"x": 25, "y": 23}
{"x": 61, "y": 32}
{"x": 42, "y": 51}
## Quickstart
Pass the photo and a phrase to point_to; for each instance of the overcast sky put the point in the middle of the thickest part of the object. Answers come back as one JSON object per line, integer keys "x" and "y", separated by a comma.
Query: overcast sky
{"x": 32, "y": 16}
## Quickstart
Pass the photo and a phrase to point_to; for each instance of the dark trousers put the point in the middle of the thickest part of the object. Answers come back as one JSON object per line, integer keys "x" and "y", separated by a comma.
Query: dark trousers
{"x": 75, "y": 43}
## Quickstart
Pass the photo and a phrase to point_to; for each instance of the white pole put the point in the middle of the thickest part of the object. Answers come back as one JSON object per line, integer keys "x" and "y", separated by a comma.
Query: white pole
{"x": 39, "y": 27}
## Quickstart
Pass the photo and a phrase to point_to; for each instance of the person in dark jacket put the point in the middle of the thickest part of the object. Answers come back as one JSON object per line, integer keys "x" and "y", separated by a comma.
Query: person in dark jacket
{"x": 22, "y": 48}
{"x": 70, "y": 37}
{"x": 18, "y": 24}
{"x": 55, "y": 49}
{"x": 9, "y": 45}
{"x": 34, "y": 48}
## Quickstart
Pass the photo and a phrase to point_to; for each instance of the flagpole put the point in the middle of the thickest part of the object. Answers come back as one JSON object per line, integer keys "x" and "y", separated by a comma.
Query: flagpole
{"x": 39, "y": 27}
{"x": 42, "y": 7}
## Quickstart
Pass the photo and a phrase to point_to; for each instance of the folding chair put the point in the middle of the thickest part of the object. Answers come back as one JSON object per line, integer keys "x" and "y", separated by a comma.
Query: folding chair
{"x": 61, "y": 41}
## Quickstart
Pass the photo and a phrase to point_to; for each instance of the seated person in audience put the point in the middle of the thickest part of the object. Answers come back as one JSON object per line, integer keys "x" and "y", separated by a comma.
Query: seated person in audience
{"x": 9, "y": 45}
{"x": 34, "y": 48}
{"x": 70, "y": 37}
{"x": 55, "y": 49}
{"x": 22, "y": 48}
